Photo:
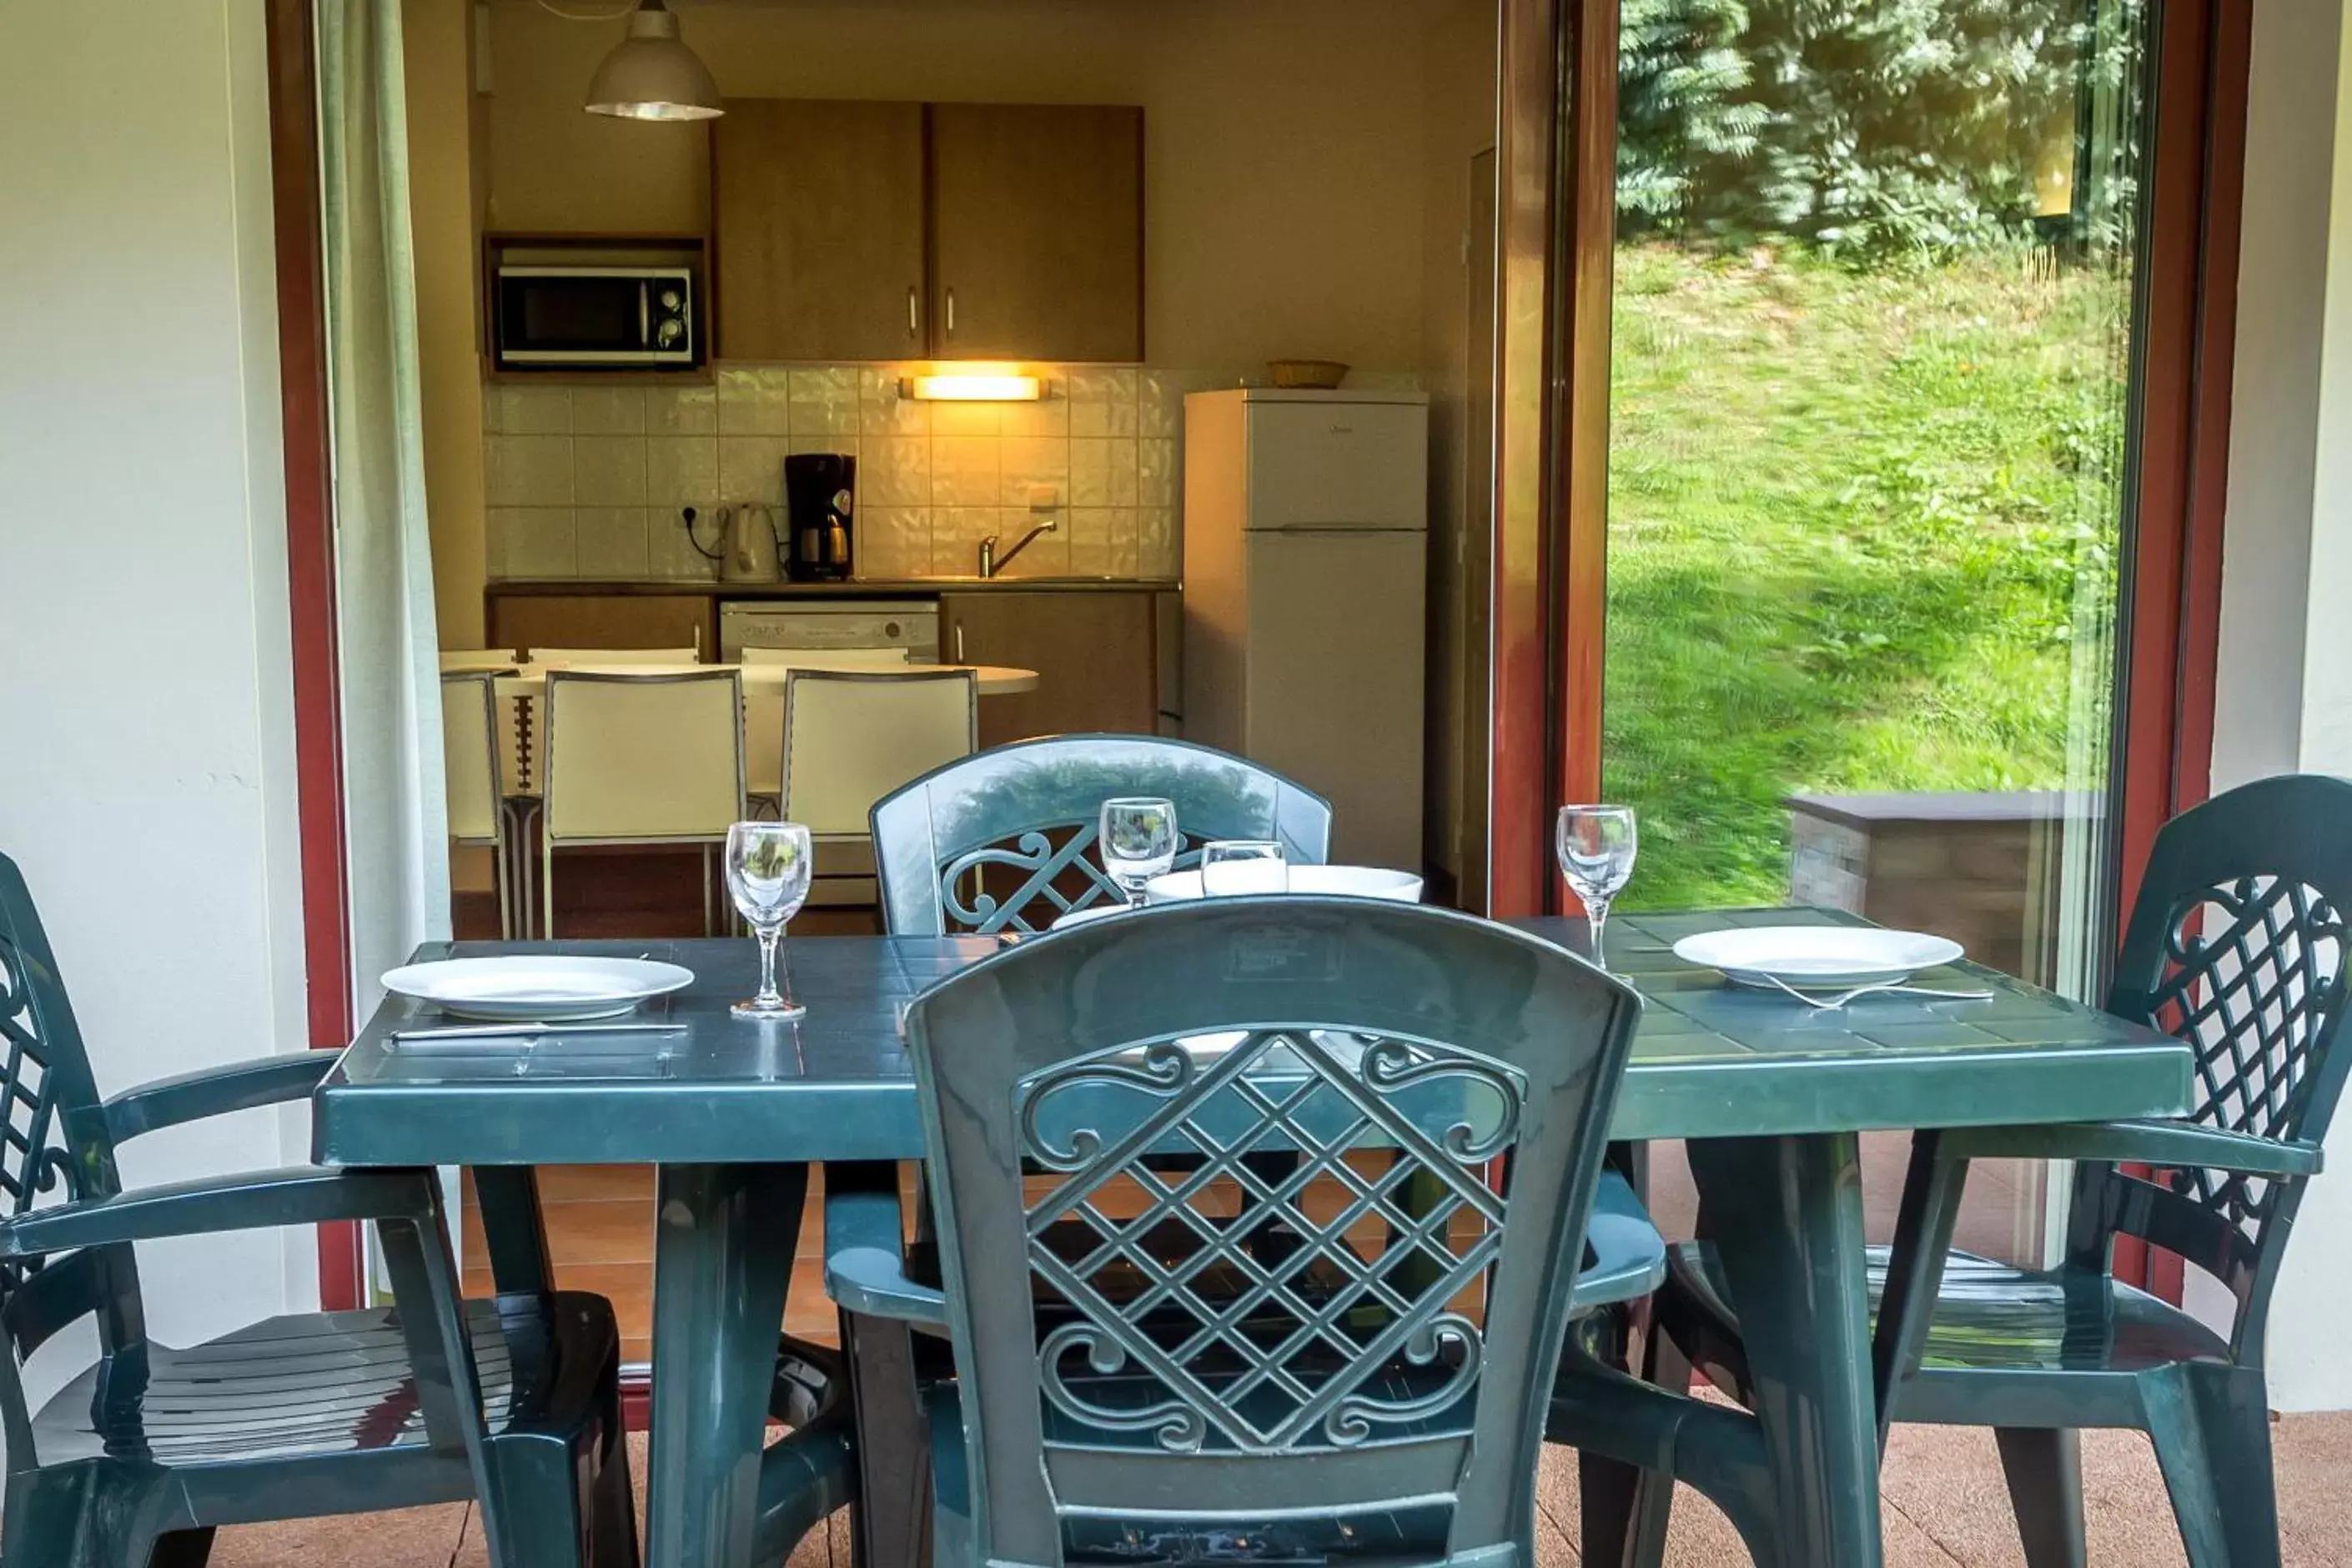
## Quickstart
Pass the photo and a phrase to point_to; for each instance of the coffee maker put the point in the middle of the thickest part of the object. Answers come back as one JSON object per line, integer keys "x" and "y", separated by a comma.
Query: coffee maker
{"x": 819, "y": 488}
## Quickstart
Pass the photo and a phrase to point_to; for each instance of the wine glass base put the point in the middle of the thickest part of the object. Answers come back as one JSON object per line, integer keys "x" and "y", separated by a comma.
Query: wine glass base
{"x": 782, "y": 1012}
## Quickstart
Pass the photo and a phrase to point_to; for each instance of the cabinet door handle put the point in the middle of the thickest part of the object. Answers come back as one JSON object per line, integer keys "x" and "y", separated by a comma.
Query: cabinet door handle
{"x": 958, "y": 631}
{"x": 914, "y": 326}
{"x": 951, "y": 313}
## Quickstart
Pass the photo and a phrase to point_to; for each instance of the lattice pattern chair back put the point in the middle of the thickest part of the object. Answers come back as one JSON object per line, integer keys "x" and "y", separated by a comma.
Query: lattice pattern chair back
{"x": 2238, "y": 944}
{"x": 1001, "y": 841}
{"x": 54, "y": 1146}
{"x": 1396, "y": 1318}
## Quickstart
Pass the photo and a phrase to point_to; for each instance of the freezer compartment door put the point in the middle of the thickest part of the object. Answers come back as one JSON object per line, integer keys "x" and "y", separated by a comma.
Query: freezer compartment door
{"x": 1338, "y": 464}
{"x": 1333, "y": 677}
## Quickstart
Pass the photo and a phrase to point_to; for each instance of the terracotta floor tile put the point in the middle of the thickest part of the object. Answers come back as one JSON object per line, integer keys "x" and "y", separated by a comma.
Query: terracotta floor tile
{"x": 1946, "y": 1508}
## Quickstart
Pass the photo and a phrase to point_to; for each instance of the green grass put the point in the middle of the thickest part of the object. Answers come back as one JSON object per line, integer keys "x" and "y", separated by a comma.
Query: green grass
{"x": 1860, "y": 525}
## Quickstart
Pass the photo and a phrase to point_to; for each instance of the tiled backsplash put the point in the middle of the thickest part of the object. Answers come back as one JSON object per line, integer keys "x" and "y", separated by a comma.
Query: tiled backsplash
{"x": 586, "y": 480}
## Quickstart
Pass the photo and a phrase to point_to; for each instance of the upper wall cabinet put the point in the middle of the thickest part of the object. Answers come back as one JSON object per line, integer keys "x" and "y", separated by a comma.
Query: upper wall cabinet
{"x": 819, "y": 229}
{"x": 891, "y": 231}
{"x": 1037, "y": 232}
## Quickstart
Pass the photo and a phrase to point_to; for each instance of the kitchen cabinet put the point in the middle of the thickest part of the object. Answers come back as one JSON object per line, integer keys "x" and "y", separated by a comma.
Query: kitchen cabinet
{"x": 526, "y": 621}
{"x": 819, "y": 229}
{"x": 1097, "y": 655}
{"x": 1037, "y": 231}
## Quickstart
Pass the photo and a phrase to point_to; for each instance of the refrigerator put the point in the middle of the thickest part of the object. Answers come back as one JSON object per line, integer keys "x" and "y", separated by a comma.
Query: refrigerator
{"x": 1306, "y": 585}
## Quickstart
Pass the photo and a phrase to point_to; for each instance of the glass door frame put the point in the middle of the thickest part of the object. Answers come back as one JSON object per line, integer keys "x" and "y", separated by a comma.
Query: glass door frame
{"x": 1558, "y": 140}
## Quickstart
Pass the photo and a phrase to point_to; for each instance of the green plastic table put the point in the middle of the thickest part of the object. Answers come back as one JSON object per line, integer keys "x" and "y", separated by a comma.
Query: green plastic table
{"x": 732, "y": 1113}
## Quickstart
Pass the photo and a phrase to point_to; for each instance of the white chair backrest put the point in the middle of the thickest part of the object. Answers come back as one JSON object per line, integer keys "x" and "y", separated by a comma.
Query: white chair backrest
{"x": 852, "y": 737}
{"x": 652, "y": 756}
{"x": 661, "y": 657}
{"x": 469, "y": 746}
{"x": 763, "y": 714}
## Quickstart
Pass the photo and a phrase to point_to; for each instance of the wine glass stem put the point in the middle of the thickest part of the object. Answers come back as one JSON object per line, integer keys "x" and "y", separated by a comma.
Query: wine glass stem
{"x": 768, "y": 938}
{"x": 1597, "y": 911}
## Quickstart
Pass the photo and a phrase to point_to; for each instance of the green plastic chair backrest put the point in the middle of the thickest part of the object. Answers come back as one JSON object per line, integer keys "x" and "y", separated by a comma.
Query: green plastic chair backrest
{"x": 2237, "y": 944}
{"x": 54, "y": 1146}
{"x": 999, "y": 840}
{"x": 1427, "y": 1043}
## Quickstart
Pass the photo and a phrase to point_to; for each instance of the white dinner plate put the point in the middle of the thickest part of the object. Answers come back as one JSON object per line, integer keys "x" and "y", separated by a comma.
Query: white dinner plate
{"x": 1350, "y": 881}
{"x": 540, "y": 988}
{"x": 1816, "y": 956}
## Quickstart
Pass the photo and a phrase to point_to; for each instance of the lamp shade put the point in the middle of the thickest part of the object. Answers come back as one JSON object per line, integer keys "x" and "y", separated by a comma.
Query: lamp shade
{"x": 652, "y": 75}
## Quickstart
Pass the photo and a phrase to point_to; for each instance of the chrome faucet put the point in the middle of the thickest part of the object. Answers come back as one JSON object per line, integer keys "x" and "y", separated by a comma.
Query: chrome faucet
{"x": 991, "y": 563}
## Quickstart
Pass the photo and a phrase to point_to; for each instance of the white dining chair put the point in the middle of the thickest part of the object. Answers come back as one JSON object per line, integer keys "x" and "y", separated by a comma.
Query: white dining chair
{"x": 764, "y": 713}
{"x": 644, "y": 758}
{"x": 851, "y": 737}
{"x": 470, "y": 759}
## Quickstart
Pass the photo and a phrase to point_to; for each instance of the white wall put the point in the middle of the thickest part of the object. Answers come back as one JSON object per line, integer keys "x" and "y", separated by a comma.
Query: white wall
{"x": 2285, "y": 698}
{"x": 146, "y": 778}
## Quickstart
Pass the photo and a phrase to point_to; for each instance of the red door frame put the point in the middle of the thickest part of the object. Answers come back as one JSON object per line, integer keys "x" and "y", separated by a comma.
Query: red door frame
{"x": 310, "y": 570}
{"x": 1551, "y": 520}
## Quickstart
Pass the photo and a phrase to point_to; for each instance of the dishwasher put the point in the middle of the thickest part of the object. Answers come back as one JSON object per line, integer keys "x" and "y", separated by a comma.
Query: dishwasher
{"x": 909, "y": 624}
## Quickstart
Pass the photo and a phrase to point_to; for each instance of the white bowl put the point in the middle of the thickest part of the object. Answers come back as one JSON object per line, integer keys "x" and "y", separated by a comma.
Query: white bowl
{"x": 1326, "y": 881}
{"x": 1816, "y": 956}
{"x": 540, "y": 988}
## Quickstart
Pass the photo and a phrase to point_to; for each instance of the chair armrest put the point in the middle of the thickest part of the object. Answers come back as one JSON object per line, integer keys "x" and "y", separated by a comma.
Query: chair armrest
{"x": 1628, "y": 1255}
{"x": 215, "y": 1092}
{"x": 864, "y": 1250}
{"x": 2173, "y": 1145}
{"x": 260, "y": 1200}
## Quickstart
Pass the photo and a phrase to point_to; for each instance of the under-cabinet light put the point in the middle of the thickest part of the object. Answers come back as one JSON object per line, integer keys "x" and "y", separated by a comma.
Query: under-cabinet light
{"x": 972, "y": 387}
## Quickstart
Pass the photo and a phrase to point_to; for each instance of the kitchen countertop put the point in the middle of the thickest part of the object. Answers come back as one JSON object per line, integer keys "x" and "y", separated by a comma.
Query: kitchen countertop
{"x": 907, "y": 587}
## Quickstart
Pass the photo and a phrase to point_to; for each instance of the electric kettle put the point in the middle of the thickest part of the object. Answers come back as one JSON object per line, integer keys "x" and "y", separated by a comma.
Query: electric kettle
{"x": 746, "y": 543}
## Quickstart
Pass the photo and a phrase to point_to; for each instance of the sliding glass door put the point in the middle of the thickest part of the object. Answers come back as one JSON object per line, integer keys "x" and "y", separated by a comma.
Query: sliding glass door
{"x": 1871, "y": 391}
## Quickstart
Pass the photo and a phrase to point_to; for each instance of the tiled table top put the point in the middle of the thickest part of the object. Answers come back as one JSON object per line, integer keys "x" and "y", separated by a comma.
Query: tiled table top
{"x": 1710, "y": 1060}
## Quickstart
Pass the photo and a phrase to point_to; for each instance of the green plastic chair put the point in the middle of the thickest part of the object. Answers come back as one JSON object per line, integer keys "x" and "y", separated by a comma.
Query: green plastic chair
{"x": 1398, "y": 1416}
{"x": 947, "y": 845}
{"x": 141, "y": 1457}
{"x": 2238, "y": 944}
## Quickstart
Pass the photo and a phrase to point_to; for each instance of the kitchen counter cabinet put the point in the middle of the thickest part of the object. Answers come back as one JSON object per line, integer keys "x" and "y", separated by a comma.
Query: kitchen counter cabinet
{"x": 589, "y": 619}
{"x": 1096, "y": 658}
{"x": 819, "y": 226}
{"x": 1037, "y": 232}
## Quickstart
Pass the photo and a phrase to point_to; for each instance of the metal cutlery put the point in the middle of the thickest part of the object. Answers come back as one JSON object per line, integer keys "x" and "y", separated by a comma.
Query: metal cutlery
{"x": 526, "y": 1030}
{"x": 1883, "y": 988}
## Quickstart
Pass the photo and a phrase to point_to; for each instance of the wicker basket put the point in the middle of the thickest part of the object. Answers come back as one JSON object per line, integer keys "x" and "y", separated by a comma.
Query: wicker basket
{"x": 1299, "y": 374}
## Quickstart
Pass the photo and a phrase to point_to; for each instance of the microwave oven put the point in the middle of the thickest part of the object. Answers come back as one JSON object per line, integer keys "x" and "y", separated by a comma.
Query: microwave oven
{"x": 589, "y": 316}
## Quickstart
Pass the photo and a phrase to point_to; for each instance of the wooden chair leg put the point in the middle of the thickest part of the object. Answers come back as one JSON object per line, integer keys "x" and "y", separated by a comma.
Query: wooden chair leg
{"x": 2210, "y": 1426}
{"x": 2045, "y": 1469}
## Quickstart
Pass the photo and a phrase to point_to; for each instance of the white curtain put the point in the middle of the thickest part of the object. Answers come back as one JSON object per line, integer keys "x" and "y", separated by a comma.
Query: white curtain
{"x": 396, "y": 817}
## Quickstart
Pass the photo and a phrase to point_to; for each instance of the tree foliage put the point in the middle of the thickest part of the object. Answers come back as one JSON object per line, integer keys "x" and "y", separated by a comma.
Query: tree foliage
{"x": 1875, "y": 125}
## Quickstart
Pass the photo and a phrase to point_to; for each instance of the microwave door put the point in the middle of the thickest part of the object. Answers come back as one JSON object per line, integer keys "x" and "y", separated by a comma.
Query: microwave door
{"x": 551, "y": 318}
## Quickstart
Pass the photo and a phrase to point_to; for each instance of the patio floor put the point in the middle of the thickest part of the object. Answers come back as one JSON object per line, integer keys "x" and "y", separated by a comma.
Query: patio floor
{"x": 1946, "y": 1507}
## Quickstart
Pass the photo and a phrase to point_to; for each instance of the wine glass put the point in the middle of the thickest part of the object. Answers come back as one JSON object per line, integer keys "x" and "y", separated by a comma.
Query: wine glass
{"x": 1231, "y": 867}
{"x": 768, "y": 869}
{"x": 1596, "y": 845}
{"x": 1138, "y": 842}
